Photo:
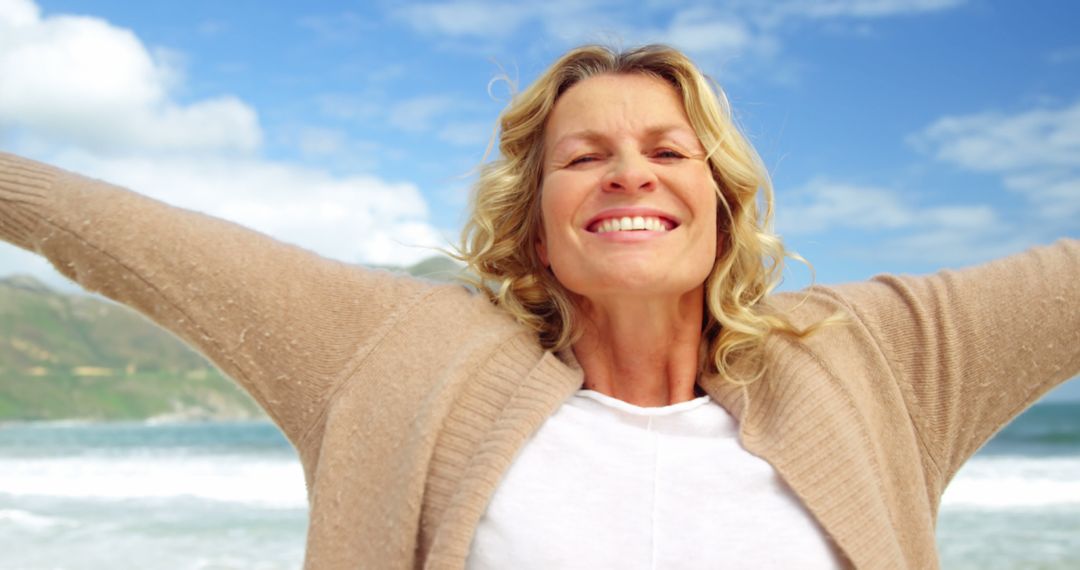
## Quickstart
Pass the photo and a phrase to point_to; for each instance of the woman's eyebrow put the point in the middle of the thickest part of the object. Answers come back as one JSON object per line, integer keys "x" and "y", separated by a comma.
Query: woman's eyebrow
{"x": 590, "y": 135}
{"x": 681, "y": 134}
{"x": 586, "y": 135}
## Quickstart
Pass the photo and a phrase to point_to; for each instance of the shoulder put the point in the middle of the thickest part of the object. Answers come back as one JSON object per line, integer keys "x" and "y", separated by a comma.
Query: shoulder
{"x": 847, "y": 337}
{"x": 451, "y": 308}
{"x": 809, "y": 306}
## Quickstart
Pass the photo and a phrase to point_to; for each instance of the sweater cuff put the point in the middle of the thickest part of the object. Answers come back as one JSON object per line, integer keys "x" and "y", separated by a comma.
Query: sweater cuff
{"x": 25, "y": 187}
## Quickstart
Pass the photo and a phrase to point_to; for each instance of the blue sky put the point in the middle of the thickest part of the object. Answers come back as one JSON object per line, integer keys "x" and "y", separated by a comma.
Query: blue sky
{"x": 902, "y": 136}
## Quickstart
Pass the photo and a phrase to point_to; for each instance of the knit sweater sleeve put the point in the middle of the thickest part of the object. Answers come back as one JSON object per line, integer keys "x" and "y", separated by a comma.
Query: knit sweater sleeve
{"x": 283, "y": 322}
{"x": 973, "y": 348}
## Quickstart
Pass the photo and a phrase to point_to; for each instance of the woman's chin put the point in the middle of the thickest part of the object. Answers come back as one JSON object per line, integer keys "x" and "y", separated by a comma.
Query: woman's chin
{"x": 632, "y": 284}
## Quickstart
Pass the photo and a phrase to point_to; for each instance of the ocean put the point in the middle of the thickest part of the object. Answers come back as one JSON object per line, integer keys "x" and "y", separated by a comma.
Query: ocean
{"x": 231, "y": 496}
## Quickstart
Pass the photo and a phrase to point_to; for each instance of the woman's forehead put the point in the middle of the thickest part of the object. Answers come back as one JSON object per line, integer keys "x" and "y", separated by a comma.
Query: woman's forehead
{"x": 612, "y": 106}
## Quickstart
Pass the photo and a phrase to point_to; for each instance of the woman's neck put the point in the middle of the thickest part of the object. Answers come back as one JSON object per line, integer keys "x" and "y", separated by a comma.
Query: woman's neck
{"x": 642, "y": 351}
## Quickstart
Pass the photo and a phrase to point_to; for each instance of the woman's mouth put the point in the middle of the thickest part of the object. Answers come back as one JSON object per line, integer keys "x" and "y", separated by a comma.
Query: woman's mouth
{"x": 631, "y": 224}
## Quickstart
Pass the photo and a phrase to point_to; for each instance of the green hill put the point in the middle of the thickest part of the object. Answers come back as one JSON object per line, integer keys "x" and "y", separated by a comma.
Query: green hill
{"x": 66, "y": 356}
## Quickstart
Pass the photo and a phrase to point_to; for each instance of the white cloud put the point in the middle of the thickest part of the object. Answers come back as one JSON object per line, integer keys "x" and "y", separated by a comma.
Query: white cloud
{"x": 418, "y": 114}
{"x": 955, "y": 246}
{"x": 346, "y": 106}
{"x": 468, "y": 17}
{"x": 1036, "y": 153}
{"x": 82, "y": 80}
{"x": 212, "y": 27}
{"x": 861, "y": 8}
{"x": 18, "y": 13}
{"x": 700, "y": 31}
{"x": 475, "y": 134}
{"x": 824, "y": 205}
{"x": 574, "y": 21}
{"x": 893, "y": 225}
{"x": 316, "y": 141}
{"x": 444, "y": 118}
{"x": 996, "y": 142}
{"x": 88, "y": 96}
{"x": 344, "y": 27}
{"x": 568, "y": 20}
{"x": 710, "y": 29}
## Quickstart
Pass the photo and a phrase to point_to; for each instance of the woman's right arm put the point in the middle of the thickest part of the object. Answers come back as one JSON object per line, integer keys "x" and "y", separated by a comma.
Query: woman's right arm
{"x": 285, "y": 323}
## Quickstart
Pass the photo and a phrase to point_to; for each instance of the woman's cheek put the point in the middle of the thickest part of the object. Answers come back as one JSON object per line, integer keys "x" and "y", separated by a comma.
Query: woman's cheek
{"x": 558, "y": 203}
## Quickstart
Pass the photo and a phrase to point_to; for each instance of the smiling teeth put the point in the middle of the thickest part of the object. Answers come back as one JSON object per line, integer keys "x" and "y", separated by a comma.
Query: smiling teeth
{"x": 626, "y": 224}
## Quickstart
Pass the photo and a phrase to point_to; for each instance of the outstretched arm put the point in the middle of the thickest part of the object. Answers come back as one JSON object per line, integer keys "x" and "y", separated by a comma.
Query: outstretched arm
{"x": 973, "y": 348}
{"x": 282, "y": 321}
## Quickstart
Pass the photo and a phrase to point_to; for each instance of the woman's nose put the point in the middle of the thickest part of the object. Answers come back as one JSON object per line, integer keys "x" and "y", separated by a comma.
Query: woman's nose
{"x": 630, "y": 172}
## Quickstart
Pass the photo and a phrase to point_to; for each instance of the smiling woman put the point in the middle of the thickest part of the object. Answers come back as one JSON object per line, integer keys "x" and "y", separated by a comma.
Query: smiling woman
{"x": 638, "y": 252}
{"x": 628, "y": 392}
{"x": 646, "y": 127}
{"x": 607, "y": 133}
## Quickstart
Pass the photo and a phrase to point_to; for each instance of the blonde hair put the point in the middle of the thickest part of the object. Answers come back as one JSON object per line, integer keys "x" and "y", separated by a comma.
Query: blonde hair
{"x": 498, "y": 241}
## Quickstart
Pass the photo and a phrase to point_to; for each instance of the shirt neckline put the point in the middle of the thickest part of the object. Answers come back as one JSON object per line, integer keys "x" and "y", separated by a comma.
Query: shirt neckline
{"x": 617, "y": 404}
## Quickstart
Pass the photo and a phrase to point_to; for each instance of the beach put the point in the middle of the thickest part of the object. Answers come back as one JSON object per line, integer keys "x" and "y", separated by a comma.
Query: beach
{"x": 231, "y": 495}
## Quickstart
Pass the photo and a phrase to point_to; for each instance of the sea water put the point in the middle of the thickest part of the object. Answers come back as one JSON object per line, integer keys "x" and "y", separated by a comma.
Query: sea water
{"x": 231, "y": 496}
{"x": 140, "y": 495}
{"x": 1016, "y": 504}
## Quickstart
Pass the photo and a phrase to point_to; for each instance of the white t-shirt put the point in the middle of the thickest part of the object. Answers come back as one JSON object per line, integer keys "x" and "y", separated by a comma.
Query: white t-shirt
{"x": 607, "y": 484}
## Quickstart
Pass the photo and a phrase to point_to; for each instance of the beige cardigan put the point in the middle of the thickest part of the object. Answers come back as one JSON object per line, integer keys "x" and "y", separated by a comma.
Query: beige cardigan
{"x": 408, "y": 400}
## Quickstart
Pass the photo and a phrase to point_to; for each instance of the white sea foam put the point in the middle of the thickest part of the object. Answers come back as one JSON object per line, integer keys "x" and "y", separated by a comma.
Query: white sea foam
{"x": 986, "y": 482}
{"x": 31, "y": 521}
{"x": 1002, "y": 482}
{"x": 260, "y": 482}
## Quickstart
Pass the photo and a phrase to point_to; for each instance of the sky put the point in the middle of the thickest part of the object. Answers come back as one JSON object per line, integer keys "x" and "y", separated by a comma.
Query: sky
{"x": 901, "y": 136}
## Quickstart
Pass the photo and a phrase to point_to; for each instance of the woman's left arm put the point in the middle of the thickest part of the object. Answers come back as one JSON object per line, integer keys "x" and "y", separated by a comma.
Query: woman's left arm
{"x": 973, "y": 348}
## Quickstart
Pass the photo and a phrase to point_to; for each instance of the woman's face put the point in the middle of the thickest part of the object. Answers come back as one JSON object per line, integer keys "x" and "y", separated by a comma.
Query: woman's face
{"x": 627, "y": 199}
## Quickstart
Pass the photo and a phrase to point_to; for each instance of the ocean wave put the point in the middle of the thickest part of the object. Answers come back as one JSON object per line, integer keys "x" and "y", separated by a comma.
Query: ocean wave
{"x": 264, "y": 478}
{"x": 31, "y": 521}
{"x": 1002, "y": 482}
{"x": 260, "y": 482}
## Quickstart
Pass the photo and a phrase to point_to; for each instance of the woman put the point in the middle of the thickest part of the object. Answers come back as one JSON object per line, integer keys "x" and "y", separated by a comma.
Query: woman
{"x": 621, "y": 240}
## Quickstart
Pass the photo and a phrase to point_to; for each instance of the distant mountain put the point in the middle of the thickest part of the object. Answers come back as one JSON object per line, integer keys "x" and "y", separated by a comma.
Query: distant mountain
{"x": 435, "y": 268}
{"x": 79, "y": 356}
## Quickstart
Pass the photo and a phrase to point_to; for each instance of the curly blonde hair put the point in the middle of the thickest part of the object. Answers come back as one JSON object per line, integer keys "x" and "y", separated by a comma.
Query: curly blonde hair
{"x": 498, "y": 241}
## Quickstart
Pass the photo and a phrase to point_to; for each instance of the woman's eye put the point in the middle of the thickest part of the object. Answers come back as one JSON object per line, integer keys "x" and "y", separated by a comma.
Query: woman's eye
{"x": 667, "y": 153}
{"x": 582, "y": 160}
